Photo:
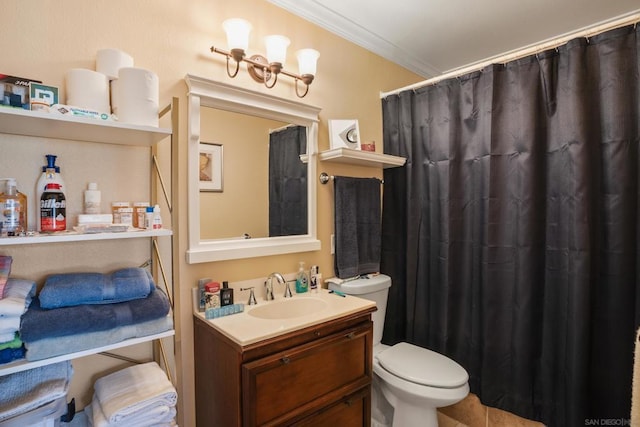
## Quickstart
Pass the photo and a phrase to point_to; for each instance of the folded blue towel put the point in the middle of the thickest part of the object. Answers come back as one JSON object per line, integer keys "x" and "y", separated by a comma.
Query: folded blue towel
{"x": 38, "y": 323}
{"x": 71, "y": 289}
{"x": 27, "y": 390}
{"x": 10, "y": 354}
{"x": 50, "y": 347}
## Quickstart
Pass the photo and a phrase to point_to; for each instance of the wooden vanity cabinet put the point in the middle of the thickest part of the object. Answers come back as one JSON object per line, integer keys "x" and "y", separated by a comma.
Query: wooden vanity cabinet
{"x": 320, "y": 375}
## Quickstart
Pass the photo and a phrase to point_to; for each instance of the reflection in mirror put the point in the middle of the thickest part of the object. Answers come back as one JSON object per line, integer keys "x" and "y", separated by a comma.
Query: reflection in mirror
{"x": 269, "y": 147}
{"x": 265, "y": 178}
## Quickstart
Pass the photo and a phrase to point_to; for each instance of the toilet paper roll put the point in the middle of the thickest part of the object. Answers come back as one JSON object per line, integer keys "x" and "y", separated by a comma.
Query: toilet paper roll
{"x": 88, "y": 89}
{"x": 113, "y": 84}
{"x": 109, "y": 62}
{"x": 137, "y": 95}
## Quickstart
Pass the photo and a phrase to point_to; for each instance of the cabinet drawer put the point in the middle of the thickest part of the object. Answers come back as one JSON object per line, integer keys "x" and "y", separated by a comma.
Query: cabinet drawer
{"x": 296, "y": 382}
{"x": 353, "y": 411}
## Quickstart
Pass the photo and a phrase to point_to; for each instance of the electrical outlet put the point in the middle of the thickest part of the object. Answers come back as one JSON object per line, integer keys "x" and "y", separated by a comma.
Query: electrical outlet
{"x": 333, "y": 244}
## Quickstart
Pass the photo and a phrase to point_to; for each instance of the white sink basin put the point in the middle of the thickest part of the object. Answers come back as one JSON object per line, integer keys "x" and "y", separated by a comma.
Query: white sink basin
{"x": 288, "y": 308}
{"x": 272, "y": 318}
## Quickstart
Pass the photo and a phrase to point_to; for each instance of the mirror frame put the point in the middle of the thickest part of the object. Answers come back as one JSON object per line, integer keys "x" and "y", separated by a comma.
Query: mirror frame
{"x": 209, "y": 93}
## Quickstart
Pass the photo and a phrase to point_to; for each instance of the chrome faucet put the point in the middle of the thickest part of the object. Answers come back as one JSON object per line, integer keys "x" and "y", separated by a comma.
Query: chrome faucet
{"x": 269, "y": 285}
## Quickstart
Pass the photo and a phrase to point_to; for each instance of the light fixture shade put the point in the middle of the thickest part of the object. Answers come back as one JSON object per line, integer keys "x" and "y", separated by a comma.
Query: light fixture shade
{"x": 237, "y": 33}
{"x": 307, "y": 61}
{"x": 277, "y": 48}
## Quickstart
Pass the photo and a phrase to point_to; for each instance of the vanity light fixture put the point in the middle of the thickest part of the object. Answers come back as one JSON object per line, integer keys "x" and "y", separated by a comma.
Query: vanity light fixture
{"x": 266, "y": 69}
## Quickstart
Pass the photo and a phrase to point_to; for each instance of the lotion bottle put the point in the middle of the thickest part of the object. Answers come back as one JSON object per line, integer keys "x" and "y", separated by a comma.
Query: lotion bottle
{"x": 302, "y": 280}
{"x": 92, "y": 199}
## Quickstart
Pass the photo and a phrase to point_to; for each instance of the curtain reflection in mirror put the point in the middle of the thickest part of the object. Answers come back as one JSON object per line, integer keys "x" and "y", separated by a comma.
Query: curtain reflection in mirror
{"x": 287, "y": 181}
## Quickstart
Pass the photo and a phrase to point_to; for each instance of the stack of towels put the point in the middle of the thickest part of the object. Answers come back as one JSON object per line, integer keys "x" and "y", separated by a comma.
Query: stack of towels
{"x": 26, "y": 392}
{"x": 78, "y": 311}
{"x": 15, "y": 298}
{"x": 138, "y": 396}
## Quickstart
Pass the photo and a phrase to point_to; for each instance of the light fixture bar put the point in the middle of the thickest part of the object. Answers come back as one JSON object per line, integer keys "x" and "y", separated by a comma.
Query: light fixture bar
{"x": 264, "y": 71}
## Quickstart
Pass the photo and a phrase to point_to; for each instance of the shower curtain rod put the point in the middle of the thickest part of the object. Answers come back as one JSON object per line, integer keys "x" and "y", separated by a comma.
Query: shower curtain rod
{"x": 620, "y": 21}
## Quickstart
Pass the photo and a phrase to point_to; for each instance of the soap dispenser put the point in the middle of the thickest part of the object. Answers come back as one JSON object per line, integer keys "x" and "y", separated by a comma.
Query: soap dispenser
{"x": 302, "y": 280}
{"x": 13, "y": 209}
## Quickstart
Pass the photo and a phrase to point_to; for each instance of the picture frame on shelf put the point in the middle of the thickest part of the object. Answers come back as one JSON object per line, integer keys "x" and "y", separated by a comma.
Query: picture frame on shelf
{"x": 344, "y": 134}
{"x": 211, "y": 166}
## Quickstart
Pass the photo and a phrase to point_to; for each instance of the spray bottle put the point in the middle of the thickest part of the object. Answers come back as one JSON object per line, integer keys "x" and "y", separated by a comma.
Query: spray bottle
{"x": 13, "y": 209}
{"x": 50, "y": 174}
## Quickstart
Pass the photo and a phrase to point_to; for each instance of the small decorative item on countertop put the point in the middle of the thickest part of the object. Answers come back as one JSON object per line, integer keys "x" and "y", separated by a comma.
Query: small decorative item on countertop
{"x": 368, "y": 146}
{"x": 213, "y": 313}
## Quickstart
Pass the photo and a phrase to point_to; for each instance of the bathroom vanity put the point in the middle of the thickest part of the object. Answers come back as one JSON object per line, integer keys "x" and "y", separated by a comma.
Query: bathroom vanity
{"x": 296, "y": 362}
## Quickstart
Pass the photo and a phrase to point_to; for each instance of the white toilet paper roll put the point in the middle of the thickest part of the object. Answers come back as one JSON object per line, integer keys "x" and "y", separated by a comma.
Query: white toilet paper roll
{"x": 113, "y": 84}
{"x": 137, "y": 95}
{"x": 109, "y": 61}
{"x": 88, "y": 89}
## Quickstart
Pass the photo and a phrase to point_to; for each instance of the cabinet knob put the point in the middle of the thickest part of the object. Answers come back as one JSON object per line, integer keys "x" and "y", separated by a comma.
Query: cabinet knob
{"x": 316, "y": 333}
{"x": 351, "y": 335}
{"x": 285, "y": 360}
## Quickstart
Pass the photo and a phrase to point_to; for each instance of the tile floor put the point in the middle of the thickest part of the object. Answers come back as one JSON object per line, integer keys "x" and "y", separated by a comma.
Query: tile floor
{"x": 470, "y": 412}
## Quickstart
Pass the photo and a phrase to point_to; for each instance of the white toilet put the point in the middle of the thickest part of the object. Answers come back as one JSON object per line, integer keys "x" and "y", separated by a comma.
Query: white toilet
{"x": 413, "y": 381}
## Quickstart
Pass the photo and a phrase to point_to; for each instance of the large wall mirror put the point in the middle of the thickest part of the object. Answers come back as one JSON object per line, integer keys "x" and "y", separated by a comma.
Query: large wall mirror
{"x": 251, "y": 161}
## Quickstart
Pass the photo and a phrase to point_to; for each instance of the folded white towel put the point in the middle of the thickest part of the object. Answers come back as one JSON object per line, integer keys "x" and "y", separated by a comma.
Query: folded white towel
{"x": 159, "y": 416}
{"x": 125, "y": 393}
{"x": 7, "y": 336}
{"x": 9, "y": 324}
{"x": 17, "y": 297}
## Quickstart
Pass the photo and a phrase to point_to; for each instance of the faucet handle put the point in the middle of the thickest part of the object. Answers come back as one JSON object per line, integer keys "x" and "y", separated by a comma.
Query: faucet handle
{"x": 287, "y": 289}
{"x": 252, "y": 297}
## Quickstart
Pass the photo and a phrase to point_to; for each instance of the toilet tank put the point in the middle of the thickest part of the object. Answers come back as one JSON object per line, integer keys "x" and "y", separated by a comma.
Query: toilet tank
{"x": 375, "y": 289}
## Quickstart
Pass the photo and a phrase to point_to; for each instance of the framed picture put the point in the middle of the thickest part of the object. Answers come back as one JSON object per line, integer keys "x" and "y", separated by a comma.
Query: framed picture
{"x": 210, "y": 157}
{"x": 344, "y": 133}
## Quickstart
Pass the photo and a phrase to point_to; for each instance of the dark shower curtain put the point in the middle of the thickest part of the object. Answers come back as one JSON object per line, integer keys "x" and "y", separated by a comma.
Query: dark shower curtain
{"x": 512, "y": 233}
{"x": 287, "y": 182}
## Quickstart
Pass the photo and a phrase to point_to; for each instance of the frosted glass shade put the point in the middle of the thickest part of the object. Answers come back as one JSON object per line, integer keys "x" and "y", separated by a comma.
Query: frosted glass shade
{"x": 237, "y": 33}
{"x": 277, "y": 48}
{"x": 307, "y": 61}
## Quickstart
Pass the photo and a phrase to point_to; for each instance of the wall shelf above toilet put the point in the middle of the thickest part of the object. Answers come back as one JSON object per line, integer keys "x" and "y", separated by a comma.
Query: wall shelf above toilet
{"x": 362, "y": 158}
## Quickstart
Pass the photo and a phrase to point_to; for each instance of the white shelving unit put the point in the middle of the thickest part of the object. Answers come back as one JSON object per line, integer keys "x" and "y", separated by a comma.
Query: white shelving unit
{"x": 52, "y": 126}
{"x": 362, "y": 158}
{"x": 71, "y": 236}
{"x": 16, "y": 121}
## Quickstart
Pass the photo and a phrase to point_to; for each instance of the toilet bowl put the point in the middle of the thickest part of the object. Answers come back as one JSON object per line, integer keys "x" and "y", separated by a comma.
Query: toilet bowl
{"x": 409, "y": 382}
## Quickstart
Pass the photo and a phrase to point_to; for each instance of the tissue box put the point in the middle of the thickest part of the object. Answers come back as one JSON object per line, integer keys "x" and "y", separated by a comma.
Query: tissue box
{"x": 41, "y": 97}
{"x": 15, "y": 91}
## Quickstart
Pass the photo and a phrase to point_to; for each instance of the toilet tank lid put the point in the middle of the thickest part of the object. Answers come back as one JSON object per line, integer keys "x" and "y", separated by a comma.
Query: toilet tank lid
{"x": 362, "y": 285}
{"x": 422, "y": 366}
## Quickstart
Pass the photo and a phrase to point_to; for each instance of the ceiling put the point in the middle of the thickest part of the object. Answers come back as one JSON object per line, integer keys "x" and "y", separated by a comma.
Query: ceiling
{"x": 431, "y": 37}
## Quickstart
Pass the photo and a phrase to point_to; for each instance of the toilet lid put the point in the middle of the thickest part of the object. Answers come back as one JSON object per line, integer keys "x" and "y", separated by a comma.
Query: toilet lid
{"x": 422, "y": 366}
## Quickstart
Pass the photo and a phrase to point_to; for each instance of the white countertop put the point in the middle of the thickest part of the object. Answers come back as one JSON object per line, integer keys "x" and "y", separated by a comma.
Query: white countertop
{"x": 245, "y": 329}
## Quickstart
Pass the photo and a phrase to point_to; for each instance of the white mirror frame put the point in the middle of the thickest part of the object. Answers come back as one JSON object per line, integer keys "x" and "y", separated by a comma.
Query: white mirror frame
{"x": 208, "y": 93}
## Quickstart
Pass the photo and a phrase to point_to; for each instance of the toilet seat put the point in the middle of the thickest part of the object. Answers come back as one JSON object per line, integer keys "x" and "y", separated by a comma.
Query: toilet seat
{"x": 422, "y": 366}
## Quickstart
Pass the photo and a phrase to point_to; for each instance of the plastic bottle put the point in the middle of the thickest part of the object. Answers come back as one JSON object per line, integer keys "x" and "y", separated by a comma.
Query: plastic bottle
{"x": 148, "y": 218}
{"x": 13, "y": 209}
{"x": 226, "y": 294}
{"x": 302, "y": 280}
{"x": 50, "y": 173}
{"x": 157, "y": 218}
{"x": 314, "y": 278}
{"x": 53, "y": 209}
{"x": 92, "y": 199}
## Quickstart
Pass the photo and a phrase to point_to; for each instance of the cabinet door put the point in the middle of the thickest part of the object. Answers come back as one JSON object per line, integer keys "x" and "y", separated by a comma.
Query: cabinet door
{"x": 297, "y": 382}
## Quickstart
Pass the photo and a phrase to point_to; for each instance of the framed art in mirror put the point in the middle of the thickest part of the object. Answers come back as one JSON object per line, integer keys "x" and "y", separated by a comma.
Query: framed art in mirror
{"x": 211, "y": 166}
